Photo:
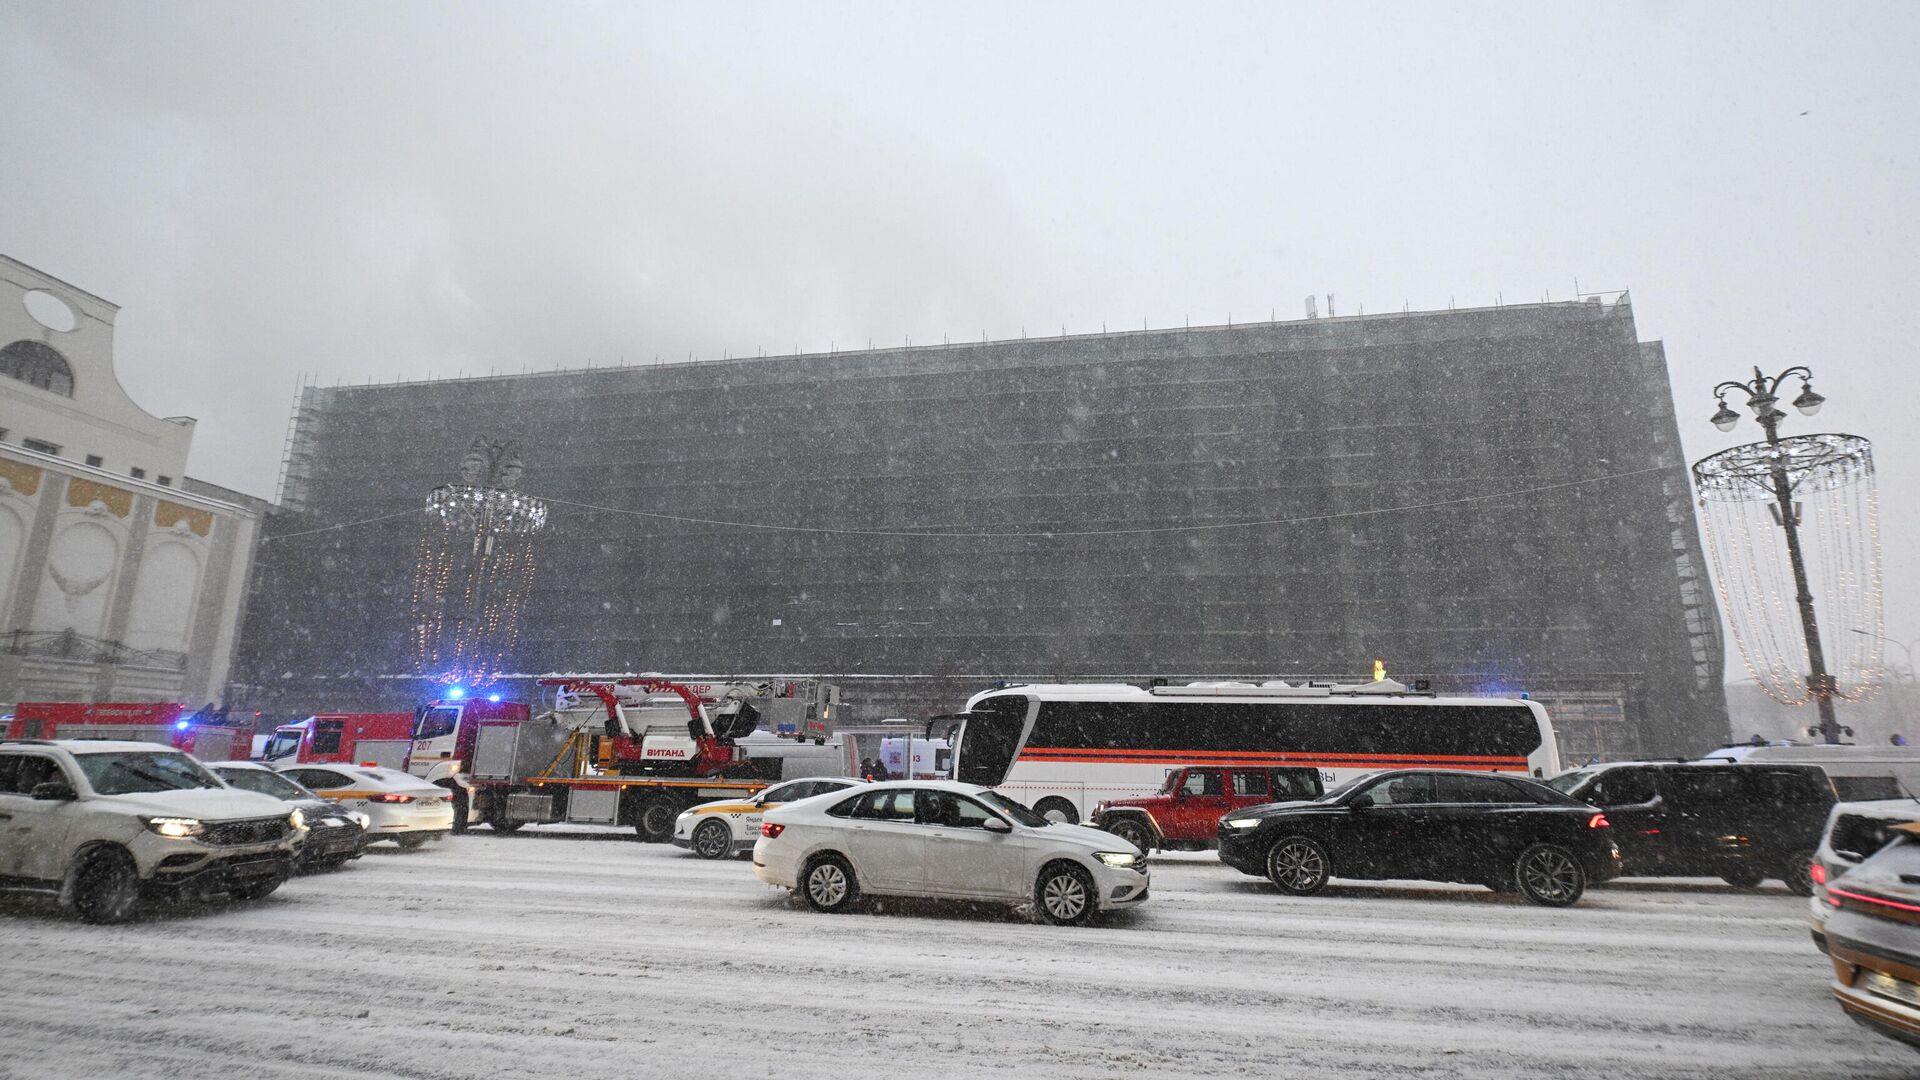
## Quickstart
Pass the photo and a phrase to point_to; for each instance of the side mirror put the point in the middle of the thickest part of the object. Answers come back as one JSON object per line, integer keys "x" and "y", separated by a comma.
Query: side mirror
{"x": 994, "y": 824}
{"x": 54, "y": 791}
{"x": 1364, "y": 802}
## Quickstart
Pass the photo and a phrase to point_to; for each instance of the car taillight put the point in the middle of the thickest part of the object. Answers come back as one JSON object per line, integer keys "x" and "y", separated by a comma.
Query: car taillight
{"x": 1598, "y": 821}
{"x": 771, "y": 830}
{"x": 388, "y": 797}
{"x": 1818, "y": 873}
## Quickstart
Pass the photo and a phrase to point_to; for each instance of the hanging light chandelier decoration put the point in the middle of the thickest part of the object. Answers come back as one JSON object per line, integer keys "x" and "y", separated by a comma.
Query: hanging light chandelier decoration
{"x": 1789, "y": 521}
{"x": 475, "y": 566}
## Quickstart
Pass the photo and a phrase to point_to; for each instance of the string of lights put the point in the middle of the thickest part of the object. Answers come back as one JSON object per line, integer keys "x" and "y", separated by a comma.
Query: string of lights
{"x": 1835, "y": 506}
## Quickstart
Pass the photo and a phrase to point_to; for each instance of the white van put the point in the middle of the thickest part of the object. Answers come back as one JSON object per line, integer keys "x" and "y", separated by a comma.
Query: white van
{"x": 1859, "y": 773}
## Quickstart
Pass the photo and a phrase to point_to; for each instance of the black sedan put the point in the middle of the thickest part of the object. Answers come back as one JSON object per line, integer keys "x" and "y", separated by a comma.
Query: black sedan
{"x": 1505, "y": 832}
{"x": 334, "y": 833}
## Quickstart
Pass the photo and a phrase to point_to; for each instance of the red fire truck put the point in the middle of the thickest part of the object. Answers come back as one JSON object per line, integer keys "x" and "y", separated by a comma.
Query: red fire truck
{"x": 360, "y": 738}
{"x": 205, "y": 733}
{"x": 618, "y": 752}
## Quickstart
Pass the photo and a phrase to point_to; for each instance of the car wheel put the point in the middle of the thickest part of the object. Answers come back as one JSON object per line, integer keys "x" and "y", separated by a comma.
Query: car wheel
{"x": 106, "y": 888}
{"x": 1134, "y": 832}
{"x": 411, "y": 843}
{"x": 654, "y": 825}
{"x": 1057, "y": 809}
{"x": 1298, "y": 866}
{"x": 827, "y": 884}
{"x": 713, "y": 839}
{"x": 1743, "y": 877}
{"x": 256, "y": 890}
{"x": 1066, "y": 895}
{"x": 1797, "y": 872}
{"x": 1549, "y": 875}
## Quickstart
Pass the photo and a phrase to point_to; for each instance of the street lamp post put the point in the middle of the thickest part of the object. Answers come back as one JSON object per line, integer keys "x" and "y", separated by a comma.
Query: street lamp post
{"x": 1904, "y": 647}
{"x": 1761, "y": 398}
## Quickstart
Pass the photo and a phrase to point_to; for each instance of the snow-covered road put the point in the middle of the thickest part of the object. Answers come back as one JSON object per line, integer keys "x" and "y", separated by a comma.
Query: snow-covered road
{"x": 586, "y": 956}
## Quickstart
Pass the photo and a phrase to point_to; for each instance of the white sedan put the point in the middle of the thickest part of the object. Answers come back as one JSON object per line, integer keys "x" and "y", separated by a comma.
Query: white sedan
{"x": 935, "y": 838}
{"x": 715, "y": 830}
{"x": 403, "y": 808}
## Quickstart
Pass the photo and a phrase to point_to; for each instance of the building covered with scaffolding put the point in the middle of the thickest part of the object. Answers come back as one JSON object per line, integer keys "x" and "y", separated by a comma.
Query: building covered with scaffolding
{"x": 1468, "y": 496}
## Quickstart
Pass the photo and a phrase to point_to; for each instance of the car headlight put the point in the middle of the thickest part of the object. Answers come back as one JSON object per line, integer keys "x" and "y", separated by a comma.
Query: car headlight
{"x": 1242, "y": 822}
{"x": 175, "y": 828}
{"x": 297, "y": 819}
{"x": 1117, "y": 858}
{"x": 360, "y": 819}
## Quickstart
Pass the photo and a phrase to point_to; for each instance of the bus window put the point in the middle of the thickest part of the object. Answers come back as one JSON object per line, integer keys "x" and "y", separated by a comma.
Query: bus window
{"x": 989, "y": 738}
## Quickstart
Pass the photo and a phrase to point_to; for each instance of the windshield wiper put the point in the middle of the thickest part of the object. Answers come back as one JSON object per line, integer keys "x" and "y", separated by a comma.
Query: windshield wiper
{"x": 154, "y": 778}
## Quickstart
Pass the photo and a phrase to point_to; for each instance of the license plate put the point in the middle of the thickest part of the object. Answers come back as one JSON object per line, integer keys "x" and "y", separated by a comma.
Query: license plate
{"x": 1887, "y": 986}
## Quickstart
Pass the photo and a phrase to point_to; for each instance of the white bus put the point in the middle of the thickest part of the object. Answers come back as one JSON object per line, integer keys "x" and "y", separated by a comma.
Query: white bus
{"x": 1063, "y": 748}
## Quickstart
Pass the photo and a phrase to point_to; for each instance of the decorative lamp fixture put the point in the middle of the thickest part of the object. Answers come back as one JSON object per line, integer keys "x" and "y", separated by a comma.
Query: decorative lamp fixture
{"x": 475, "y": 567}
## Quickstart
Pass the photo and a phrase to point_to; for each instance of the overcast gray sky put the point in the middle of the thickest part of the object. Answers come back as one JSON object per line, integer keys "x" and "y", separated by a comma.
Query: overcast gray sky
{"x": 358, "y": 191}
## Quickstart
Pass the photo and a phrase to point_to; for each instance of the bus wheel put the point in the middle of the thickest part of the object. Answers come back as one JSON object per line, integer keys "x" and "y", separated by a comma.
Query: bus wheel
{"x": 654, "y": 823}
{"x": 1133, "y": 832}
{"x": 1298, "y": 865}
{"x": 1057, "y": 809}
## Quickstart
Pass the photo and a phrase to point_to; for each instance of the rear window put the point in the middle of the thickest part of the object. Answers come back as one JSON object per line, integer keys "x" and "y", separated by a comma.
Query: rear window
{"x": 1866, "y": 788}
{"x": 1710, "y": 786}
{"x": 1618, "y": 787}
{"x": 1467, "y": 788}
{"x": 1788, "y": 787}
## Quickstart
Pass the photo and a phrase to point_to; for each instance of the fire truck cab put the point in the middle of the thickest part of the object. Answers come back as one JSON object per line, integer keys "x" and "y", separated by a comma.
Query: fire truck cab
{"x": 382, "y": 739}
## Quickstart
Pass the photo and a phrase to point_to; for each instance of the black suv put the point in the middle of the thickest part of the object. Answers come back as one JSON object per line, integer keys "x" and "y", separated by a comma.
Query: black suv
{"x": 1505, "y": 832}
{"x": 1742, "y": 823}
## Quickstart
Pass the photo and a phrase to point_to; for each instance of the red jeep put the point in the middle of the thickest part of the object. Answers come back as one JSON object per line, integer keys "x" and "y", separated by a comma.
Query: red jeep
{"x": 1185, "y": 814}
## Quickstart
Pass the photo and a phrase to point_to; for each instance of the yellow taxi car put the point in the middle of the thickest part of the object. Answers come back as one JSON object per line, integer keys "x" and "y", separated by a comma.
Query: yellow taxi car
{"x": 404, "y": 808}
{"x": 717, "y": 830}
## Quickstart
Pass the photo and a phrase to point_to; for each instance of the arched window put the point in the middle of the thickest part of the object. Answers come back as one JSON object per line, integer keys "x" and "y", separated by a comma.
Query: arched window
{"x": 38, "y": 365}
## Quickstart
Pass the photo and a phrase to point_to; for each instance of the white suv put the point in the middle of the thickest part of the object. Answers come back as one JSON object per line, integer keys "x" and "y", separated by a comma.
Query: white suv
{"x": 103, "y": 825}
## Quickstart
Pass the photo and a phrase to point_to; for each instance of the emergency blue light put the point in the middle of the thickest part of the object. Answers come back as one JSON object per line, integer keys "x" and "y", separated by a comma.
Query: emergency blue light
{"x": 456, "y": 692}
{"x": 495, "y": 698}
{"x": 183, "y": 724}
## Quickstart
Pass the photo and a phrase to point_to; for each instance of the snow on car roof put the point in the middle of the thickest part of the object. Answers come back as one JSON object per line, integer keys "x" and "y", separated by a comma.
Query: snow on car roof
{"x": 1881, "y": 809}
{"x": 931, "y": 785}
{"x": 107, "y": 746}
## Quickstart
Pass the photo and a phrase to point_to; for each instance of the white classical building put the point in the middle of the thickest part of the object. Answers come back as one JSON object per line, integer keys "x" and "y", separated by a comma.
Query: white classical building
{"x": 120, "y": 578}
